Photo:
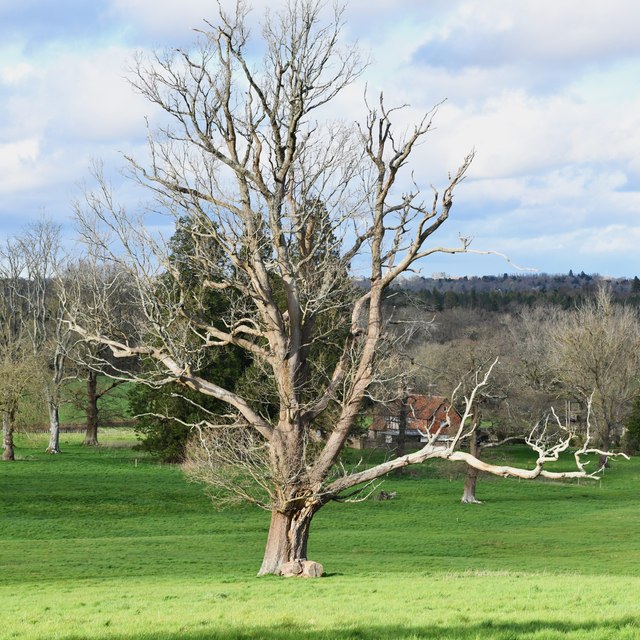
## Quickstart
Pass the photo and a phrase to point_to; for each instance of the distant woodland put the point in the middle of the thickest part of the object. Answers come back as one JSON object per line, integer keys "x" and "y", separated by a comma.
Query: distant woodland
{"x": 509, "y": 293}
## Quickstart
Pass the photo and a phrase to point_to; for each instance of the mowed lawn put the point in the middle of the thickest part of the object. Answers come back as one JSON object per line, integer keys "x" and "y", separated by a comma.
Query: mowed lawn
{"x": 105, "y": 543}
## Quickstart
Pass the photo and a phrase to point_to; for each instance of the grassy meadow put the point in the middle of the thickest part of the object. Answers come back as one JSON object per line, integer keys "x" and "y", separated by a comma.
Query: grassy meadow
{"x": 106, "y": 543}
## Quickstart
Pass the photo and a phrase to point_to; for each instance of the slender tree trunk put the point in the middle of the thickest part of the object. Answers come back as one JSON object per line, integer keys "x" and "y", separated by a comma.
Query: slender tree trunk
{"x": 604, "y": 442}
{"x": 287, "y": 539}
{"x": 91, "y": 435}
{"x": 402, "y": 423}
{"x": 8, "y": 426}
{"x": 469, "y": 492}
{"x": 54, "y": 424}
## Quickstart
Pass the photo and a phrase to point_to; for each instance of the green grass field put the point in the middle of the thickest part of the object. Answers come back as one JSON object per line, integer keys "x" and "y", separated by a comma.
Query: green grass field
{"x": 105, "y": 543}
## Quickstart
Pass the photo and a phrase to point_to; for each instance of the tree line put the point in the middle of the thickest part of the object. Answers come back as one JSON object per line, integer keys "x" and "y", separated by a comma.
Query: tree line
{"x": 508, "y": 293}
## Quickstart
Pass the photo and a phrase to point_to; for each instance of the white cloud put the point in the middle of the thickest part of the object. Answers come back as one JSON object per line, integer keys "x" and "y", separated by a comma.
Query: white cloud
{"x": 500, "y": 32}
{"x": 16, "y": 73}
{"x": 72, "y": 106}
{"x": 17, "y": 160}
{"x": 93, "y": 100}
{"x": 171, "y": 22}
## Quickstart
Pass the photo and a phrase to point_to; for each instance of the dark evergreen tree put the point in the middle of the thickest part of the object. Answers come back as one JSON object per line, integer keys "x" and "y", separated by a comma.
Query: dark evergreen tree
{"x": 164, "y": 436}
{"x": 632, "y": 433}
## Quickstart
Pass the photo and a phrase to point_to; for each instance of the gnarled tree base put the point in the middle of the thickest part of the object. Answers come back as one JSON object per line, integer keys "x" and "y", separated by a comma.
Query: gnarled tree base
{"x": 90, "y": 441}
{"x": 287, "y": 540}
{"x": 8, "y": 452}
{"x": 469, "y": 492}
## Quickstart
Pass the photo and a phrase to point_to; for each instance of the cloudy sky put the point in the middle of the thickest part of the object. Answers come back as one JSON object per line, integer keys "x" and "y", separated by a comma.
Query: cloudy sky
{"x": 546, "y": 91}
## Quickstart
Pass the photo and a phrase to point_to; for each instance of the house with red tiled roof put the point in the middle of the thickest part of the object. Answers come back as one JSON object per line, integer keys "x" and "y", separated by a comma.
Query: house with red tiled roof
{"x": 425, "y": 415}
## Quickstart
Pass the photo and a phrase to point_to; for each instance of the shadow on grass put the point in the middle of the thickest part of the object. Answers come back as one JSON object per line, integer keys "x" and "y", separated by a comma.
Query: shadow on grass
{"x": 627, "y": 627}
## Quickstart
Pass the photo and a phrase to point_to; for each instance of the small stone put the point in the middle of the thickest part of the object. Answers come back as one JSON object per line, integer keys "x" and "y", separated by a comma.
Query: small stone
{"x": 312, "y": 569}
{"x": 290, "y": 569}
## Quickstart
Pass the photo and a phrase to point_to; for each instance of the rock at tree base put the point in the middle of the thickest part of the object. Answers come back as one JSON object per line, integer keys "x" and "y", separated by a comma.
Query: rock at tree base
{"x": 301, "y": 568}
{"x": 289, "y": 569}
{"x": 312, "y": 569}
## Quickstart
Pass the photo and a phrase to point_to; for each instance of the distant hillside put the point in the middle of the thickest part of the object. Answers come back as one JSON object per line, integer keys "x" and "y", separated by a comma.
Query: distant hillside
{"x": 507, "y": 292}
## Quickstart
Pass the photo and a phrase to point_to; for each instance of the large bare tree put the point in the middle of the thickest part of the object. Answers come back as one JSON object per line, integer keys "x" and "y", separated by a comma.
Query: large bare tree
{"x": 20, "y": 366}
{"x": 282, "y": 203}
{"x": 19, "y": 371}
{"x": 38, "y": 289}
{"x": 103, "y": 288}
{"x": 30, "y": 265}
{"x": 498, "y": 415}
{"x": 595, "y": 349}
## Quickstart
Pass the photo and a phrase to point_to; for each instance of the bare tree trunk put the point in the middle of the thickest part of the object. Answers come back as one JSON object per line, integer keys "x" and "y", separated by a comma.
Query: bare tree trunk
{"x": 604, "y": 442}
{"x": 402, "y": 423}
{"x": 54, "y": 424}
{"x": 8, "y": 426}
{"x": 287, "y": 539}
{"x": 469, "y": 492}
{"x": 91, "y": 434}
